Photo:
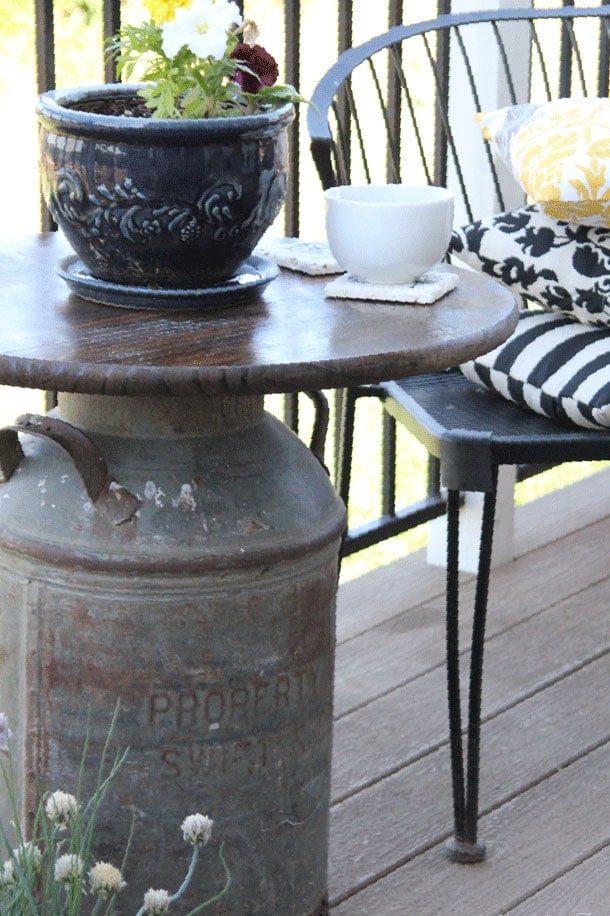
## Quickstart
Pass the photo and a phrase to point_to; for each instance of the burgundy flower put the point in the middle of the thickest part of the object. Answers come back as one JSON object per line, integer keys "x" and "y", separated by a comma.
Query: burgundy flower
{"x": 260, "y": 62}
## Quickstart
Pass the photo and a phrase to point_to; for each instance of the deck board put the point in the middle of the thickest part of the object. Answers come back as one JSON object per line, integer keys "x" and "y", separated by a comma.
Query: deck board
{"x": 401, "y": 725}
{"x": 545, "y": 735}
{"x": 588, "y": 882}
{"x": 518, "y": 836}
{"x": 403, "y": 646}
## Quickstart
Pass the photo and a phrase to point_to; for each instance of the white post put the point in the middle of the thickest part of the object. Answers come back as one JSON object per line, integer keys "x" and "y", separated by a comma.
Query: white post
{"x": 470, "y": 527}
{"x": 493, "y": 93}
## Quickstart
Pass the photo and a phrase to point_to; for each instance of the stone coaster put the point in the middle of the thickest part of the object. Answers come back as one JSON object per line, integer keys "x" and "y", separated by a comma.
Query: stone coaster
{"x": 313, "y": 258}
{"x": 429, "y": 288}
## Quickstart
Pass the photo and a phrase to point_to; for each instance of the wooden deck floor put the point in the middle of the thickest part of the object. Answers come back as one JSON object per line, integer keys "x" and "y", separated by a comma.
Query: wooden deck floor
{"x": 545, "y": 783}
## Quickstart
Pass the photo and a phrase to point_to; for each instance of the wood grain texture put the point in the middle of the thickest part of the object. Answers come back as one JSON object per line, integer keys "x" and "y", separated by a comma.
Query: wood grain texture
{"x": 389, "y": 590}
{"x": 409, "y": 813}
{"x": 290, "y": 338}
{"x": 545, "y": 739}
{"x": 531, "y": 839}
{"x": 408, "y": 644}
{"x": 581, "y": 889}
{"x": 411, "y": 720}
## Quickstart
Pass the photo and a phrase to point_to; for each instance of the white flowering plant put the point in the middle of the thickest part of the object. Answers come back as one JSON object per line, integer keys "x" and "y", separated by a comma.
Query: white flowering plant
{"x": 55, "y": 873}
{"x": 199, "y": 59}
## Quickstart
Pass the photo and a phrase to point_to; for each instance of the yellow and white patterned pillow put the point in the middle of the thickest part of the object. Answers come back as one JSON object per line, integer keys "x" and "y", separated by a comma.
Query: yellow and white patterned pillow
{"x": 560, "y": 154}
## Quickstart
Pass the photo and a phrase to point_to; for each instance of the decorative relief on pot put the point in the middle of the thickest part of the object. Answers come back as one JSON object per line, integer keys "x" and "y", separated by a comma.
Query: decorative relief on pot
{"x": 125, "y": 211}
{"x": 158, "y": 205}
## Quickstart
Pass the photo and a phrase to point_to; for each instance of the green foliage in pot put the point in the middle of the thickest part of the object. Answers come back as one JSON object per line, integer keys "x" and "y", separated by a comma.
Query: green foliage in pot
{"x": 199, "y": 59}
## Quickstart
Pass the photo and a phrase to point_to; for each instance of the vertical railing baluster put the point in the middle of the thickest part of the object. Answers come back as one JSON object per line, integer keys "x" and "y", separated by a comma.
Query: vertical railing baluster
{"x": 388, "y": 464}
{"x": 292, "y": 57}
{"x": 604, "y": 60}
{"x": 565, "y": 58}
{"x": 45, "y": 79}
{"x": 443, "y": 42}
{"x": 395, "y": 12}
{"x": 393, "y": 173}
{"x": 111, "y": 14}
{"x": 440, "y": 170}
{"x": 345, "y": 32}
{"x": 346, "y": 24}
{"x": 45, "y": 74}
{"x": 45, "y": 45}
{"x": 393, "y": 165}
{"x": 442, "y": 56}
{"x": 292, "y": 27}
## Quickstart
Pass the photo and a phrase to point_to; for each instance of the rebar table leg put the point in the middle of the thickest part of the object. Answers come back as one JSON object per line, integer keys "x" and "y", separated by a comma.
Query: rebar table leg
{"x": 464, "y": 846}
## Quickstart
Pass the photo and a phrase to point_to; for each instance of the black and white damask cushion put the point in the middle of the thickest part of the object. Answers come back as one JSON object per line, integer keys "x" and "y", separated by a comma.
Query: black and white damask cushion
{"x": 562, "y": 265}
{"x": 552, "y": 365}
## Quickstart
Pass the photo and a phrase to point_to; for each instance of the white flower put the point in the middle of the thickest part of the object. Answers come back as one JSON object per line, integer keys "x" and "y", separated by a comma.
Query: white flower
{"x": 105, "y": 880}
{"x": 197, "y": 829}
{"x": 28, "y": 856}
{"x": 5, "y": 732}
{"x": 7, "y": 875}
{"x": 68, "y": 868}
{"x": 156, "y": 903}
{"x": 60, "y": 808}
{"x": 202, "y": 27}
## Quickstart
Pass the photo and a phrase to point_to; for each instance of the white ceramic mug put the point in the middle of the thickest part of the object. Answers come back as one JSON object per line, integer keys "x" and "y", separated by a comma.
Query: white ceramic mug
{"x": 389, "y": 233}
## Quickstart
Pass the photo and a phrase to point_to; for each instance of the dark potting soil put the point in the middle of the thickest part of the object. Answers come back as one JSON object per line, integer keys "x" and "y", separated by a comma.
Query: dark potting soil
{"x": 133, "y": 107}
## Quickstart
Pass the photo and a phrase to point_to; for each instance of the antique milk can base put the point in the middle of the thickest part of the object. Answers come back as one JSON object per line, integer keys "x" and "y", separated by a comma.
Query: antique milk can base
{"x": 209, "y": 613}
{"x": 251, "y": 278}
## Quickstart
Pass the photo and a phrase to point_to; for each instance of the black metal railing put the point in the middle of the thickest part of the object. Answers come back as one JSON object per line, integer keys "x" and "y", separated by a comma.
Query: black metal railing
{"x": 297, "y": 50}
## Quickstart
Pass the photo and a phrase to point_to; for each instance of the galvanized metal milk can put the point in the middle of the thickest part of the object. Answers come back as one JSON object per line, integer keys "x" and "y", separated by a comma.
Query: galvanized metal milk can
{"x": 178, "y": 555}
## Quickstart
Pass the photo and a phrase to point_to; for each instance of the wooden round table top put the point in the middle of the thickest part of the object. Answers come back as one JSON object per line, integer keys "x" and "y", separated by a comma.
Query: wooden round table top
{"x": 289, "y": 338}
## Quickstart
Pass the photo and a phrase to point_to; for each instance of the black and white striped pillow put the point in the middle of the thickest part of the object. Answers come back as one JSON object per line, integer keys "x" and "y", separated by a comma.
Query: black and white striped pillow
{"x": 553, "y": 365}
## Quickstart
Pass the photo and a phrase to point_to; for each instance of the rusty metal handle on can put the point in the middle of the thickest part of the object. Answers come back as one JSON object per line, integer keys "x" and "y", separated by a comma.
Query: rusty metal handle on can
{"x": 87, "y": 460}
{"x": 320, "y": 426}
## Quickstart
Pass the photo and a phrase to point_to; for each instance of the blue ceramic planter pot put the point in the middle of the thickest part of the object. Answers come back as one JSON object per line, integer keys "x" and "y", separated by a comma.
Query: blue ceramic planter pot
{"x": 159, "y": 203}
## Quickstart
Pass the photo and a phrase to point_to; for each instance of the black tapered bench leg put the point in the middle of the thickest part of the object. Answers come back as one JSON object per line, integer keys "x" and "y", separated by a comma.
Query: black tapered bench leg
{"x": 464, "y": 845}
